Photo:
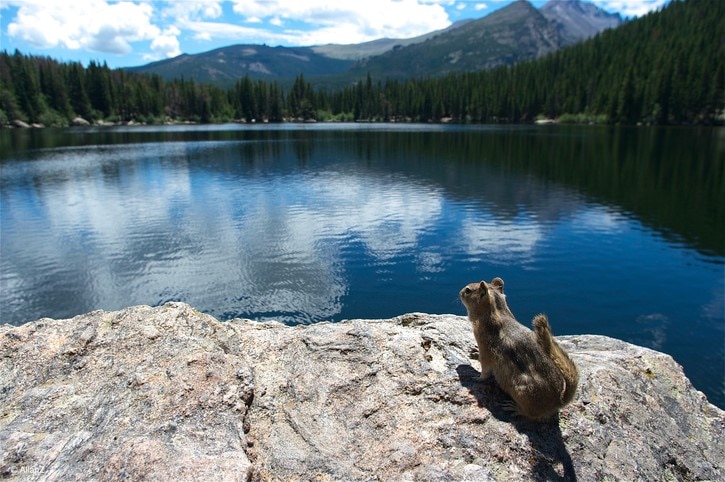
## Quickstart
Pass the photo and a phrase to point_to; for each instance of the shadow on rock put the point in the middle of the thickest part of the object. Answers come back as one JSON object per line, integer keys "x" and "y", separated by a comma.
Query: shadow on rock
{"x": 545, "y": 437}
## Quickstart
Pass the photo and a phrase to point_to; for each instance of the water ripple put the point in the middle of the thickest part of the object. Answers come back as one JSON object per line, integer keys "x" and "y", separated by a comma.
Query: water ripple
{"x": 311, "y": 225}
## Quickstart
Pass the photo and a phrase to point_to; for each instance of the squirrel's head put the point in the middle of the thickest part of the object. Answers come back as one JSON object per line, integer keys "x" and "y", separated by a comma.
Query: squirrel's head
{"x": 484, "y": 299}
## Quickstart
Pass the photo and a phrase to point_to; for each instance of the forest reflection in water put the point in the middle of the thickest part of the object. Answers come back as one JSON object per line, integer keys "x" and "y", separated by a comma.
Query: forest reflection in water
{"x": 595, "y": 226}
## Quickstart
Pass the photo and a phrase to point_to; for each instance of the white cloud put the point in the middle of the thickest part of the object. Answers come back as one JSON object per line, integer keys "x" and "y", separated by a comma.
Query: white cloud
{"x": 341, "y": 22}
{"x": 166, "y": 44}
{"x": 220, "y": 30}
{"x": 480, "y": 6}
{"x": 631, "y": 8}
{"x": 313, "y": 22}
{"x": 193, "y": 9}
{"x": 83, "y": 24}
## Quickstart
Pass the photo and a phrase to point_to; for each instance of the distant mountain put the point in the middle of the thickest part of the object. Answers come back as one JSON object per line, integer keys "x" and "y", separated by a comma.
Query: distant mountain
{"x": 579, "y": 20}
{"x": 226, "y": 65}
{"x": 379, "y": 46}
{"x": 511, "y": 34}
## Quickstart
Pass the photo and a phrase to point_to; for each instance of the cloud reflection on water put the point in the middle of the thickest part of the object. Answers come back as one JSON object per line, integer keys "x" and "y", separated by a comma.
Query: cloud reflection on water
{"x": 308, "y": 226}
{"x": 269, "y": 246}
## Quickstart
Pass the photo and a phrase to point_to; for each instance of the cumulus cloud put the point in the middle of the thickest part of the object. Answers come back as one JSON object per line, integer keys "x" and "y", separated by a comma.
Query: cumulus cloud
{"x": 83, "y": 24}
{"x": 310, "y": 22}
{"x": 344, "y": 22}
{"x": 631, "y": 8}
{"x": 166, "y": 44}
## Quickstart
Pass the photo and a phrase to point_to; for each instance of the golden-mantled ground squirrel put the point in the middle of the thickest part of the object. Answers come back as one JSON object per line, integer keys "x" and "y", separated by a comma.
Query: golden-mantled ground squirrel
{"x": 529, "y": 366}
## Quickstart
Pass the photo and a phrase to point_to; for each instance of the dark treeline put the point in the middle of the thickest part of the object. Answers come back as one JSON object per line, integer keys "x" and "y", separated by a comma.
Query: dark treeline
{"x": 42, "y": 90}
{"x": 664, "y": 68}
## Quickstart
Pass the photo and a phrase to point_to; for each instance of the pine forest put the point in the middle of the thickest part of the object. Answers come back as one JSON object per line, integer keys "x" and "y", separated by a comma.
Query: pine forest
{"x": 667, "y": 67}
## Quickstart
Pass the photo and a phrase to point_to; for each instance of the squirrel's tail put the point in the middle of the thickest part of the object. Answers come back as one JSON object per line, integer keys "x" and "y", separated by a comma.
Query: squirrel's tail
{"x": 561, "y": 359}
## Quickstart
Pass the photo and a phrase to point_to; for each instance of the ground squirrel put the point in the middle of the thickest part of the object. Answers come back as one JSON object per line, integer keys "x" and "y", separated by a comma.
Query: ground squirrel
{"x": 530, "y": 366}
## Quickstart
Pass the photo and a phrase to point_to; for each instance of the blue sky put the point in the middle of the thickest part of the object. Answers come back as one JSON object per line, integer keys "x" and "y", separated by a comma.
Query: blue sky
{"x": 135, "y": 32}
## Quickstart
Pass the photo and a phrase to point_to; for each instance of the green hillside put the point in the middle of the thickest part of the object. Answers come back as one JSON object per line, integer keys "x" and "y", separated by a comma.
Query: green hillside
{"x": 226, "y": 65}
{"x": 664, "y": 68}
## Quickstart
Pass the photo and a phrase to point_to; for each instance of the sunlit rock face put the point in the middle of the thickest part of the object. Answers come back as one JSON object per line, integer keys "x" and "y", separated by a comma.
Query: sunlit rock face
{"x": 171, "y": 393}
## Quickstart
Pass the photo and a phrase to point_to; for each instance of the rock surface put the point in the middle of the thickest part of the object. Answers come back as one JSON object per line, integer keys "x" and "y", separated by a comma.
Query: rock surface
{"x": 170, "y": 393}
{"x": 80, "y": 121}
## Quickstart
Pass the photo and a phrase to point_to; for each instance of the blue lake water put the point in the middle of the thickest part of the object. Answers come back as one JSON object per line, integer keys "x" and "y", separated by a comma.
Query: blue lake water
{"x": 614, "y": 231}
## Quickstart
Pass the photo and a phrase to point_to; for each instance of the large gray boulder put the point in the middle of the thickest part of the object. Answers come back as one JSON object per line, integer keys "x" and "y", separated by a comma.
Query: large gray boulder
{"x": 168, "y": 393}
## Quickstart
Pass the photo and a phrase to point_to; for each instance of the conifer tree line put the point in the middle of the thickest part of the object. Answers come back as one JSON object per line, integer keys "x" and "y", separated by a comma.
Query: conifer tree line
{"x": 667, "y": 67}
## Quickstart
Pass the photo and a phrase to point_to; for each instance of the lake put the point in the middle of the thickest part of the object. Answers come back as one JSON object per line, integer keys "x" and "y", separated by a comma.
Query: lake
{"x": 613, "y": 231}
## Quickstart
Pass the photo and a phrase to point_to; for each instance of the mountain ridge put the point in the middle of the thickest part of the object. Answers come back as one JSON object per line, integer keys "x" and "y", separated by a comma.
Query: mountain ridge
{"x": 226, "y": 65}
{"x": 508, "y": 35}
{"x": 513, "y": 33}
{"x": 580, "y": 20}
{"x": 378, "y": 46}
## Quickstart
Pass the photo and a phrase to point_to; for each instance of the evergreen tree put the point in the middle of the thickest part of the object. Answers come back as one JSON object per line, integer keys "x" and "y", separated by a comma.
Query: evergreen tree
{"x": 665, "y": 67}
{"x": 76, "y": 87}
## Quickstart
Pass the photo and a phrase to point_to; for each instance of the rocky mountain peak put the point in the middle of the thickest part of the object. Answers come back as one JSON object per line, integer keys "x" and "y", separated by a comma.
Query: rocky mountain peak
{"x": 579, "y": 20}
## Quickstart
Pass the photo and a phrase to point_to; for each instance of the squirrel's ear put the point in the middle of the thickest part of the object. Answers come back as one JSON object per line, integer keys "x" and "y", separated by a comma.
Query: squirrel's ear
{"x": 498, "y": 284}
{"x": 483, "y": 286}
